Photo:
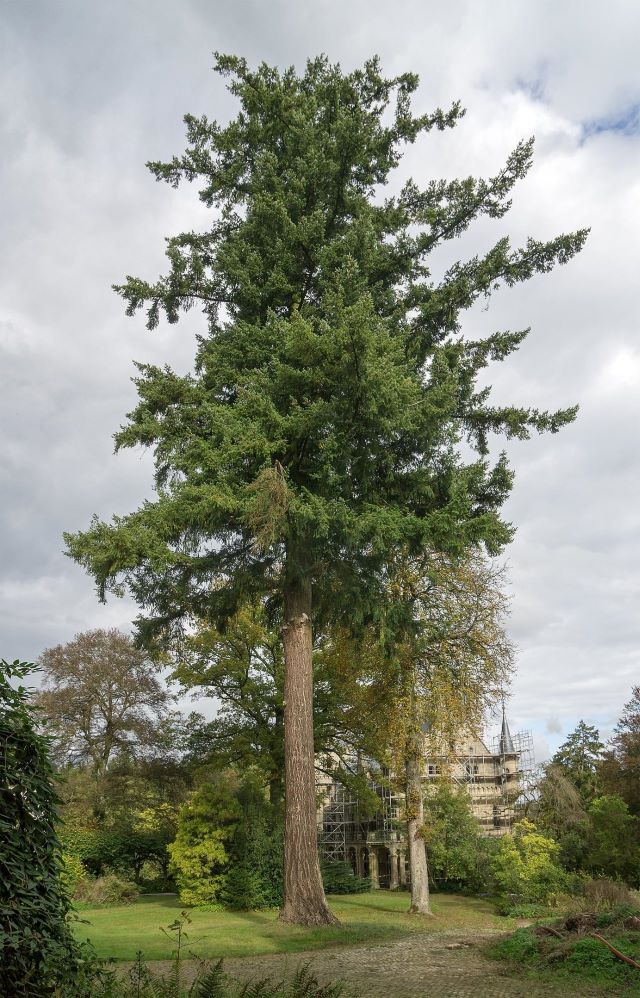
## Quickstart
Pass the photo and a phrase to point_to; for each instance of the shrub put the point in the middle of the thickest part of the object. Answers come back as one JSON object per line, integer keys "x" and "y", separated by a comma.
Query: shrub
{"x": 38, "y": 949}
{"x": 71, "y": 873}
{"x": 110, "y": 889}
{"x": 243, "y": 889}
{"x": 199, "y": 856}
{"x": 525, "y": 866}
{"x": 339, "y": 878}
{"x": 256, "y": 849}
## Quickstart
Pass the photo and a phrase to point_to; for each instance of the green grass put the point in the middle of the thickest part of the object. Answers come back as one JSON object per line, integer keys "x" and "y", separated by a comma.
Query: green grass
{"x": 120, "y": 931}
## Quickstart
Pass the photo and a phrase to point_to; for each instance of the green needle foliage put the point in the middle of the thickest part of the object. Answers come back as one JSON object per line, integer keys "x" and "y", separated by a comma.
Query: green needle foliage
{"x": 332, "y": 388}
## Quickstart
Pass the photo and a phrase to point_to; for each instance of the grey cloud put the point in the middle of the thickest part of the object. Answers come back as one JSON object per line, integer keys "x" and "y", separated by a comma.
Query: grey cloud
{"x": 89, "y": 92}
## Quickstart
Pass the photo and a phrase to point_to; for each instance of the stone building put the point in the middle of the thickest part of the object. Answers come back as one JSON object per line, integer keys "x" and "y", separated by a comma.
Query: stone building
{"x": 375, "y": 845}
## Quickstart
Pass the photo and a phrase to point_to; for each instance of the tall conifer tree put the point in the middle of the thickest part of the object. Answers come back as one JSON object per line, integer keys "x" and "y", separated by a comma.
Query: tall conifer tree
{"x": 332, "y": 383}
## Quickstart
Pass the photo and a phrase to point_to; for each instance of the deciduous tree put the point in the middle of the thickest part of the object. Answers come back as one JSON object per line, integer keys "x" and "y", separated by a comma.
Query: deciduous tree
{"x": 102, "y": 697}
{"x": 450, "y": 670}
{"x": 319, "y": 433}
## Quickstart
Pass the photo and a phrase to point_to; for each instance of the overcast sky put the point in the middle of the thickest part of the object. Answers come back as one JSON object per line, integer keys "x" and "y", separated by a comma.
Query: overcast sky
{"x": 90, "y": 91}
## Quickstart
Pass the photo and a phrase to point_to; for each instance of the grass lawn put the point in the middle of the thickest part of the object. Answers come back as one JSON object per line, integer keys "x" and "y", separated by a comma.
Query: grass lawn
{"x": 120, "y": 931}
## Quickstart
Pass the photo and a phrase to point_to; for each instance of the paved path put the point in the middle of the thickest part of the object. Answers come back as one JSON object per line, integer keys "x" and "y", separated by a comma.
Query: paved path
{"x": 438, "y": 965}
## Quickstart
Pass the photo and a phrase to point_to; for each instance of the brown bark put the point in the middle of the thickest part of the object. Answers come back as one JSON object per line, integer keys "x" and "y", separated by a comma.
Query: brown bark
{"x": 304, "y": 902}
{"x": 420, "y": 902}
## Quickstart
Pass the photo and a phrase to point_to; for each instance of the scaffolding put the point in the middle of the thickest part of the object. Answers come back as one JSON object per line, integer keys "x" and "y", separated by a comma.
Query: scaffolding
{"x": 495, "y": 781}
{"x": 384, "y": 825}
{"x": 337, "y": 822}
{"x": 515, "y": 785}
{"x": 343, "y": 823}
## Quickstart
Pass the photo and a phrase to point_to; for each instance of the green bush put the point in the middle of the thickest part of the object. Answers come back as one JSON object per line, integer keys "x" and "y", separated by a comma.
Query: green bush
{"x": 38, "y": 952}
{"x": 525, "y": 866}
{"x": 256, "y": 849}
{"x": 243, "y": 889}
{"x": 199, "y": 854}
{"x": 339, "y": 878}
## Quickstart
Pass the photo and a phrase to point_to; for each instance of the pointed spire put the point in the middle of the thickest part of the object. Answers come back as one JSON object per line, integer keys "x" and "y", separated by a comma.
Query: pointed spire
{"x": 506, "y": 741}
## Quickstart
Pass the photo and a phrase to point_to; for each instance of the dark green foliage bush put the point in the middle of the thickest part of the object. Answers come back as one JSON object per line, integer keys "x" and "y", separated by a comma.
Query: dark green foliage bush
{"x": 38, "y": 950}
{"x": 244, "y": 890}
{"x": 255, "y": 872}
{"x": 339, "y": 878}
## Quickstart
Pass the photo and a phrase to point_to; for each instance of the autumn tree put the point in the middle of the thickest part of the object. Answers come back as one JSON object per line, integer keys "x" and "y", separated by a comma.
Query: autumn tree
{"x": 319, "y": 432}
{"x": 102, "y": 698}
{"x": 449, "y": 672}
{"x": 415, "y": 697}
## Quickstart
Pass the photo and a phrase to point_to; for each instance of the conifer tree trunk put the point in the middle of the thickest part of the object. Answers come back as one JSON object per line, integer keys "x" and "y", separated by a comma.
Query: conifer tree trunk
{"x": 304, "y": 902}
{"x": 420, "y": 903}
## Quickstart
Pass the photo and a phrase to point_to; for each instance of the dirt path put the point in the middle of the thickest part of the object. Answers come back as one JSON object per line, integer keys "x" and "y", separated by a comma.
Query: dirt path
{"x": 438, "y": 965}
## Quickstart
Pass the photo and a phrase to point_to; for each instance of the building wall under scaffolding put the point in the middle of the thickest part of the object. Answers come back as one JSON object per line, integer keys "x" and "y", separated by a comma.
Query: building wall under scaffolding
{"x": 374, "y": 843}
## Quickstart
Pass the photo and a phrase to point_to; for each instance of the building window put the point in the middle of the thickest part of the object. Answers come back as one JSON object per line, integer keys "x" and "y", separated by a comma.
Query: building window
{"x": 433, "y": 770}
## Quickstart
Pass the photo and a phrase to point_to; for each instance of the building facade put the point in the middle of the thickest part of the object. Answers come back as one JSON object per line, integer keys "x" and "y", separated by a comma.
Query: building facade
{"x": 375, "y": 845}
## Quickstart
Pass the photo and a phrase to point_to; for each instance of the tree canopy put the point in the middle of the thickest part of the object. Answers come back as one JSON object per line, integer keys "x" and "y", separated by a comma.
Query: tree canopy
{"x": 332, "y": 383}
{"x": 580, "y": 756}
{"x": 102, "y": 698}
